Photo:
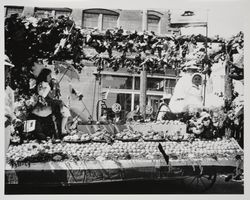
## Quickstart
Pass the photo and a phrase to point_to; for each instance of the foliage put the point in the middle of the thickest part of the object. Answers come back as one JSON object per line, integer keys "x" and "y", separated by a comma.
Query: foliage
{"x": 29, "y": 38}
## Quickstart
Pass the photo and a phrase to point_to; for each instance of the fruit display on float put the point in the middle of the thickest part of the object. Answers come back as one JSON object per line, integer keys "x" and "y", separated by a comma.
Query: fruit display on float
{"x": 178, "y": 137}
{"x": 128, "y": 135}
{"x": 35, "y": 152}
{"x": 171, "y": 126}
{"x": 167, "y": 122}
{"x": 102, "y": 135}
{"x": 215, "y": 150}
{"x": 152, "y": 135}
{"x": 77, "y": 136}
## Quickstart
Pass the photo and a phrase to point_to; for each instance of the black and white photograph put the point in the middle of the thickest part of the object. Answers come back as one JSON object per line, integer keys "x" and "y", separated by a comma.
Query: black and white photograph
{"x": 116, "y": 99}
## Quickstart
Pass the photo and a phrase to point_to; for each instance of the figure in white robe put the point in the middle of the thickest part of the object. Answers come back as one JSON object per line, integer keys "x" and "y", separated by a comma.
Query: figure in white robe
{"x": 187, "y": 94}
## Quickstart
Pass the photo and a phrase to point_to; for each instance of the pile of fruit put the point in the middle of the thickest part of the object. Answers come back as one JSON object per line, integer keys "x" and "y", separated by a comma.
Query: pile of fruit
{"x": 153, "y": 136}
{"x": 125, "y": 150}
{"x": 167, "y": 122}
{"x": 127, "y": 135}
{"x": 35, "y": 152}
{"x": 101, "y": 135}
{"x": 170, "y": 122}
{"x": 77, "y": 136}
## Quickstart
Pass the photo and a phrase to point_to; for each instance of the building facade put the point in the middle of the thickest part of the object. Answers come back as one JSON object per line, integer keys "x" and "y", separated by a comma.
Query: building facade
{"x": 122, "y": 87}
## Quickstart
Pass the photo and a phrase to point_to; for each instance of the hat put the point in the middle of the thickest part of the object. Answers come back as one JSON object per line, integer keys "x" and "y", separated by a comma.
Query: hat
{"x": 166, "y": 96}
{"x": 196, "y": 74}
{"x": 7, "y": 62}
{"x": 191, "y": 65}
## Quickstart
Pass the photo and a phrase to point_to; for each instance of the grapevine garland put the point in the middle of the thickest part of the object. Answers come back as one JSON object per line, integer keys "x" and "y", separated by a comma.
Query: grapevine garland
{"x": 29, "y": 38}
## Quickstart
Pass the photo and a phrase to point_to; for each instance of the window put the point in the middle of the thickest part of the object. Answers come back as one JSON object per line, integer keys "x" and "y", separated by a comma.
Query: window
{"x": 117, "y": 82}
{"x": 61, "y": 12}
{"x": 41, "y": 12}
{"x": 13, "y": 10}
{"x": 155, "y": 84}
{"x": 154, "y": 23}
{"x": 99, "y": 18}
{"x": 170, "y": 84}
{"x": 123, "y": 99}
{"x": 109, "y": 21}
{"x": 136, "y": 100}
{"x": 90, "y": 20}
{"x": 137, "y": 83}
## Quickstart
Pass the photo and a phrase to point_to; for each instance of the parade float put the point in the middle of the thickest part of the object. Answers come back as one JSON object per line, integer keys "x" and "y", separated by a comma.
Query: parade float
{"x": 155, "y": 150}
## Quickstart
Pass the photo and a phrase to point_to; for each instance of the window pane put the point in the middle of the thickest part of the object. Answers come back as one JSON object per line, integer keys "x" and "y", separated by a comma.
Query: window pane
{"x": 14, "y": 10}
{"x": 109, "y": 21}
{"x": 61, "y": 12}
{"x": 123, "y": 99}
{"x": 136, "y": 100}
{"x": 170, "y": 84}
{"x": 41, "y": 13}
{"x": 90, "y": 20}
{"x": 155, "y": 84}
{"x": 153, "y": 25}
{"x": 155, "y": 103}
{"x": 137, "y": 83}
{"x": 117, "y": 82}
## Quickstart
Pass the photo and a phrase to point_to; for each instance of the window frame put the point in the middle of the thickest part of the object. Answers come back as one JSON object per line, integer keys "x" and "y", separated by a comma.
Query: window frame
{"x": 101, "y": 13}
{"x": 154, "y": 17}
{"x": 50, "y": 10}
{"x": 13, "y": 7}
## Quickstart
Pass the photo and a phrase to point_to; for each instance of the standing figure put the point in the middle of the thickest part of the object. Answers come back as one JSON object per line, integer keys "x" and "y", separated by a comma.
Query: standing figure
{"x": 50, "y": 114}
{"x": 230, "y": 125}
{"x": 219, "y": 130}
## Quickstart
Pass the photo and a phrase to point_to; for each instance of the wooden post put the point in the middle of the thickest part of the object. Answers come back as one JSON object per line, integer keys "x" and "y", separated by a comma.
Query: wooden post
{"x": 143, "y": 92}
{"x": 228, "y": 85}
{"x": 205, "y": 81}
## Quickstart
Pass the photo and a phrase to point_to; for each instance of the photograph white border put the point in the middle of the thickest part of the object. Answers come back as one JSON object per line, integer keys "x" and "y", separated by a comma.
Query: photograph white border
{"x": 138, "y": 4}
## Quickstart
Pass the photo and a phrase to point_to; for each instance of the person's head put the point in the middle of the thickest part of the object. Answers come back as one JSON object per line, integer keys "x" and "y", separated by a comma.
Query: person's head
{"x": 215, "y": 117}
{"x": 44, "y": 75}
{"x": 36, "y": 67}
{"x": 206, "y": 121}
{"x": 231, "y": 115}
{"x": 197, "y": 79}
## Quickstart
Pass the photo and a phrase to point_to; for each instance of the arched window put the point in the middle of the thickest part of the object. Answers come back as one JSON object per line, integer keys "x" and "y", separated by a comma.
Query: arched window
{"x": 100, "y": 18}
{"x": 154, "y": 23}
{"x": 154, "y": 19}
{"x": 56, "y": 12}
{"x": 13, "y": 10}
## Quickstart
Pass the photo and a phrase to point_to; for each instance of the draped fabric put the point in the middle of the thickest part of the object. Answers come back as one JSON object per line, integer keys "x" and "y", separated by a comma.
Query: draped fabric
{"x": 186, "y": 95}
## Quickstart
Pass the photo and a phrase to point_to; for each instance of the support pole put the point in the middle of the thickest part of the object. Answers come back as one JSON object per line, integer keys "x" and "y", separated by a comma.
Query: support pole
{"x": 205, "y": 81}
{"x": 143, "y": 91}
